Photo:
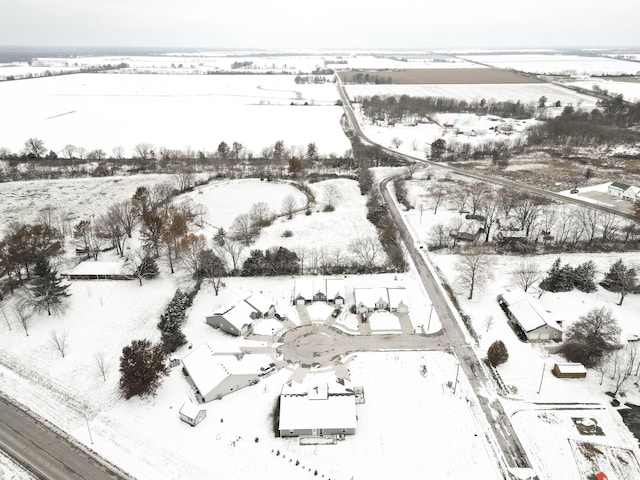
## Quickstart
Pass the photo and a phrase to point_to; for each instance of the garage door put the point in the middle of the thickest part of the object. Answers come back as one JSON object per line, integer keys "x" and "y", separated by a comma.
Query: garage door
{"x": 532, "y": 336}
{"x": 544, "y": 336}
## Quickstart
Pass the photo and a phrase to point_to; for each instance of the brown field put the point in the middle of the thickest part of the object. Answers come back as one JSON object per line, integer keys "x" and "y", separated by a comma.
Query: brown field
{"x": 623, "y": 78}
{"x": 445, "y": 76}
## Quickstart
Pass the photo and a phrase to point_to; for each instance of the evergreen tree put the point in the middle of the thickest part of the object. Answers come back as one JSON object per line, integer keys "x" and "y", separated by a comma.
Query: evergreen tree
{"x": 46, "y": 291}
{"x": 282, "y": 262}
{"x": 621, "y": 279}
{"x": 142, "y": 366}
{"x": 583, "y": 277}
{"x": 254, "y": 265}
{"x": 171, "y": 321}
{"x": 497, "y": 353}
{"x": 559, "y": 278}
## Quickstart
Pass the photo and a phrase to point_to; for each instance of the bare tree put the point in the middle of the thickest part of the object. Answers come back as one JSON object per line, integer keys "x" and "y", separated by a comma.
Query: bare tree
{"x": 22, "y": 314}
{"x": 143, "y": 150}
{"x": 331, "y": 193}
{"x": 189, "y": 251}
{"x": 243, "y": 229}
{"x": 474, "y": 268}
{"x": 526, "y": 274}
{"x": 462, "y": 196}
{"x": 625, "y": 361}
{"x": 4, "y": 315}
{"x": 59, "y": 340}
{"x": 184, "y": 181}
{"x": 101, "y": 364}
{"x": 288, "y": 205}
{"x": 260, "y": 213}
{"x": 526, "y": 211}
{"x": 438, "y": 193}
{"x": 609, "y": 225}
{"x": 489, "y": 211}
{"x": 367, "y": 250}
{"x": 34, "y": 147}
{"x": 488, "y": 321}
{"x": 412, "y": 168}
{"x": 68, "y": 151}
{"x": 477, "y": 195}
{"x": 230, "y": 250}
{"x": 589, "y": 218}
{"x": 439, "y": 235}
{"x": 118, "y": 152}
{"x": 396, "y": 142}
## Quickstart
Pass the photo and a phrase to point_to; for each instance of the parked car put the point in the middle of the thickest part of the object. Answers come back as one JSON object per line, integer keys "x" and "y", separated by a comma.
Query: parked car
{"x": 278, "y": 316}
{"x": 336, "y": 312}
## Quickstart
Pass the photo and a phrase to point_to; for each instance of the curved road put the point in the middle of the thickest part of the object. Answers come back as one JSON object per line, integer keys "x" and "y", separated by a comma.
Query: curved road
{"x": 46, "y": 453}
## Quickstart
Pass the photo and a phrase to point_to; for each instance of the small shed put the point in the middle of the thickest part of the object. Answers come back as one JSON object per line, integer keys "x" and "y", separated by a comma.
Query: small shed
{"x": 617, "y": 189}
{"x": 192, "y": 414}
{"x": 569, "y": 370}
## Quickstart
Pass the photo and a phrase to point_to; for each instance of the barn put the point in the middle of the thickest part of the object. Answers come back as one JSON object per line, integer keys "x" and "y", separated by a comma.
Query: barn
{"x": 317, "y": 410}
{"x": 529, "y": 316}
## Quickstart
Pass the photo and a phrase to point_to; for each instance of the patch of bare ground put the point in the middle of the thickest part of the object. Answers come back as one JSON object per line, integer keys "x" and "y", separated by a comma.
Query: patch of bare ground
{"x": 554, "y": 173}
{"x": 426, "y": 76}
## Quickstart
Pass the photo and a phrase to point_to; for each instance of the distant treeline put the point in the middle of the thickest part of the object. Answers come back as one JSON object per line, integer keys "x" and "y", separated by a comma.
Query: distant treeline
{"x": 405, "y": 108}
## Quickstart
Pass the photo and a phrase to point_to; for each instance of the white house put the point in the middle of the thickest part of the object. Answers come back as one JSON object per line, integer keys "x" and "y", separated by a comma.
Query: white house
{"x": 398, "y": 300}
{"x": 317, "y": 410}
{"x": 364, "y": 299}
{"x": 234, "y": 319}
{"x": 92, "y": 270}
{"x": 529, "y": 315}
{"x": 617, "y": 188}
{"x": 192, "y": 414}
{"x": 262, "y": 305}
{"x": 216, "y": 374}
{"x": 632, "y": 194}
{"x": 335, "y": 291}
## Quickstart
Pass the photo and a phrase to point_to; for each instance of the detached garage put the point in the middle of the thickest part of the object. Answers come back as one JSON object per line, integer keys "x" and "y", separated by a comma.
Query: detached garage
{"x": 528, "y": 314}
{"x": 569, "y": 370}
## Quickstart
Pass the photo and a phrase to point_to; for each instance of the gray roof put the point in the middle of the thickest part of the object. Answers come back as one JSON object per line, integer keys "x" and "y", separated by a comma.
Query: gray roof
{"x": 620, "y": 185}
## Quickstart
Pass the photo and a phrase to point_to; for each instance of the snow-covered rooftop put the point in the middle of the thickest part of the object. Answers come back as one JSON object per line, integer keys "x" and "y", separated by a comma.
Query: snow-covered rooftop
{"x": 239, "y": 315}
{"x": 364, "y": 296}
{"x": 260, "y": 302}
{"x": 305, "y": 406}
{"x": 571, "y": 368}
{"x": 190, "y": 410}
{"x": 207, "y": 367}
{"x": 91, "y": 267}
{"x": 528, "y": 311}
{"x": 335, "y": 288}
{"x": 396, "y": 296}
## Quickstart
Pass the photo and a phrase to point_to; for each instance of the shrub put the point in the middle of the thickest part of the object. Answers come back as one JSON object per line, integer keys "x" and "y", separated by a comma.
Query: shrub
{"x": 328, "y": 208}
{"x": 287, "y": 234}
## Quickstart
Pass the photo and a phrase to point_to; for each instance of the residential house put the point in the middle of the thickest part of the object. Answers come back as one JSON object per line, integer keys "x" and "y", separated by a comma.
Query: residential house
{"x": 398, "y": 300}
{"x": 320, "y": 409}
{"x": 364, "y": 299}
{"x": 528, "y": 315}
{"x": 215, "y": 374}
{"x": 262, "y": 305}
{"x": 632, "y": 194}
{"x": 192, "y": 414}
{"x": 617, "y": 188}
{"x": 335, "y": 291}
{"x": 369, "y": 299}
{"x": 234, "y": 319}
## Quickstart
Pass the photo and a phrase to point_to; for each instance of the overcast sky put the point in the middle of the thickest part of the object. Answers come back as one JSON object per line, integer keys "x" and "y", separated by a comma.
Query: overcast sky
{"x": 391, "y": 24}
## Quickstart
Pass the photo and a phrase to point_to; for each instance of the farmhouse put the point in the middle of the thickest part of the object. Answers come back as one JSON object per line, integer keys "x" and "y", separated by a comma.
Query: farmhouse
{"x": 216, "y": 374}
{"x": 192, "y": 414}
{"x": 92, "y": 270}
{"x": 617, "y": 188}
{"x": 317, "y": 410}
{"x": 529, "y": 316}
{"x": 569, "y": 370}
{"x": 632, "y": 194}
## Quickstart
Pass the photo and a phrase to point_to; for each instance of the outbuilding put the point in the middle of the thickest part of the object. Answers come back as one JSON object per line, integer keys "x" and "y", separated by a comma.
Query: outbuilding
{"x": 569, "y": 370}
{"x": 92, "y": 270}
{"x": 617, "y": 189}
{"x": 192, "y": 414}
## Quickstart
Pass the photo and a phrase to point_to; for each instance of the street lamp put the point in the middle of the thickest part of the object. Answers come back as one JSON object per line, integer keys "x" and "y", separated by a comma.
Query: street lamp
{"x": 430, "y": 313}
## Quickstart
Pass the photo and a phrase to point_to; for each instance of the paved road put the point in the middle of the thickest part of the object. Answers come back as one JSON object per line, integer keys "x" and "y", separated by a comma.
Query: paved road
{"x": 44, "y": 452}
{"x": 469, "y": 173}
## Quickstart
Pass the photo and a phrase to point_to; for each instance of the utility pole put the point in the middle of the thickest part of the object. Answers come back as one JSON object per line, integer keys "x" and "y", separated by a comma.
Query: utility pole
{"x": 87, "y": 420}
{"x": 430, "y": 313}
{"x": 455, "y": 385}
{"x": 544, "y": 367}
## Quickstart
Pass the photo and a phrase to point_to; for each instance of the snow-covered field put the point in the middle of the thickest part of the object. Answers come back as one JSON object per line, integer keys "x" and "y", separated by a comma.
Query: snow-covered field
{"x": 172, "y": 111}
{"x": 558, "y": 64}
{"x": 629, "y": 90}
{"x": 528, "y": 93}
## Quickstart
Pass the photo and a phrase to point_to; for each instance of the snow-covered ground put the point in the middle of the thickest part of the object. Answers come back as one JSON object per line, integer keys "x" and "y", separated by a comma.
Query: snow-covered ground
{"x": 10, "y": 470}
{"x": 172, "y": 111}
{"x": 558, "y": 64}
{"x": 629, "y": 90}
{"x": 527, "y": 93}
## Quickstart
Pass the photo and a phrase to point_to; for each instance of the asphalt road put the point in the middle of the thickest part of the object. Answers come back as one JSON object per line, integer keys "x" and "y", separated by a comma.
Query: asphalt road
{"x": 45, "y": 453}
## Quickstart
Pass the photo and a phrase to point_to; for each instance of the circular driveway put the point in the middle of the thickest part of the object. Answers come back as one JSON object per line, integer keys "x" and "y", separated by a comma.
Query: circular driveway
{"x": 313, "y": 345}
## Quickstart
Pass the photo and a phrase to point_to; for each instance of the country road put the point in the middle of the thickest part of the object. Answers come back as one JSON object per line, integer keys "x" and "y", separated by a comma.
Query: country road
{"x": 45, "y": 453}
{"x": 452, "y": 335}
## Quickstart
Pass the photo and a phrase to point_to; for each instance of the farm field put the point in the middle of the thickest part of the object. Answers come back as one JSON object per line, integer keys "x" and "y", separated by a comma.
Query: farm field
{"x": 438, "y": 76}
{"x": 524, "y": 92}
{"x": 629, "y": 88}
{"x": 171, "y": 111}
{"x": 558, "y": 64}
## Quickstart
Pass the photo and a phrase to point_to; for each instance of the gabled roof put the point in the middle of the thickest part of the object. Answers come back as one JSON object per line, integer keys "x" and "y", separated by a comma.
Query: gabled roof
{"x": 528, "y": 311}
{"x": 190, "y": 410}
{"x": 335, "y": 288}
{"x": 397, "y": 295}
{"x": 91, "y": 267}
{"x": 327, "y": 405}
{"x": 364, "y": 296}
{"x": 259, "y": 302}
{"x": 238, "y": 315}
{"x": 620, "y": 185}
{"x": 304, "y": 288}
{"x": 208, "y": 368}
{"x": 632, "y": 191}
